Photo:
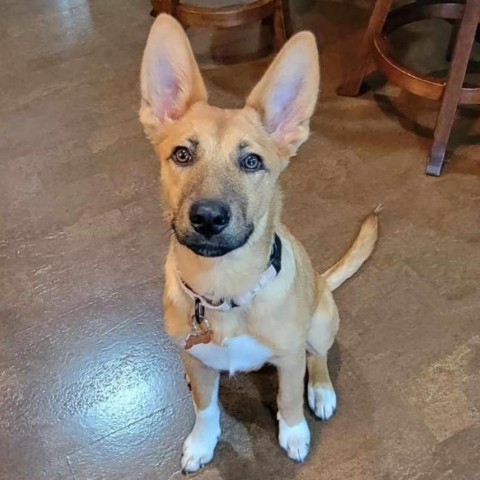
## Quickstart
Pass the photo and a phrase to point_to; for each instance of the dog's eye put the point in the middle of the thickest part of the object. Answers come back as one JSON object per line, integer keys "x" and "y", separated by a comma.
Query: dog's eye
{"x": 182, "y": 156}
{"x": 251, "y": 163}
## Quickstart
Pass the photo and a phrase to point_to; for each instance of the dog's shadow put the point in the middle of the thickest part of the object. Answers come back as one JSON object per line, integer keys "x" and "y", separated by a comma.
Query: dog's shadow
{"x": 250, "y": 447}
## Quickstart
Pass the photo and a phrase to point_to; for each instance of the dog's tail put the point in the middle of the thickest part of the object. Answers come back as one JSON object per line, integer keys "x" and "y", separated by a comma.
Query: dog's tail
{"x": 357, "y": 254}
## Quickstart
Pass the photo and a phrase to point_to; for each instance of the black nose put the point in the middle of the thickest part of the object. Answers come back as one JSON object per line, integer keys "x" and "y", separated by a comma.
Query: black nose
{"x": 209, "y": 217}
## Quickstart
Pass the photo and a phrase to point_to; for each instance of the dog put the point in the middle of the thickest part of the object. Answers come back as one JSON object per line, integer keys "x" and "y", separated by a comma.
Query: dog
{"x": 240, "y": 290}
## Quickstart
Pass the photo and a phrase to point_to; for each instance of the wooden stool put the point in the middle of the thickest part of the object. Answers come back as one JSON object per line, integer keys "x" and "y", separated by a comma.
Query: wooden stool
{"x": 276, "y": 11}
{"x": 450, "y": 91}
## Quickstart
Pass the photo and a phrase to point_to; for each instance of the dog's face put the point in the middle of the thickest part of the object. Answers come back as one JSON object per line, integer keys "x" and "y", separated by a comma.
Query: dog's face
{"x": 218, "y": 174}
{"x": 219, "y": 167}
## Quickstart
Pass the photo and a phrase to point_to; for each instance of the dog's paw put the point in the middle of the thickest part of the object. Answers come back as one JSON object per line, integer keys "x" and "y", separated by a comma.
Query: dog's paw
{"x": 199, "y": 447}
{"x": 197, "y": 452}
{"x": 322, "y": 401}
{"x": 294, "y": 440}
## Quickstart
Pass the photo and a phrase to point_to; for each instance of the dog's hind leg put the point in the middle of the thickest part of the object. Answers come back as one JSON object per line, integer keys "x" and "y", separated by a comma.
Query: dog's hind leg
{"x": 321, "y": 394}
{"x": 199, "y": 446}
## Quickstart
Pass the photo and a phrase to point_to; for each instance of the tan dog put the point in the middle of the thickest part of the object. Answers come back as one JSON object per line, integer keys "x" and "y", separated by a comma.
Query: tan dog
{"x": 240, "y": 290}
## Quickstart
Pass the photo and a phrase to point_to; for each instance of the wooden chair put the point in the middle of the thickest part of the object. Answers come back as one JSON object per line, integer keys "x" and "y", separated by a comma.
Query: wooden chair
{"x": 275, "y": 11}
{"x": 451, "y": 91}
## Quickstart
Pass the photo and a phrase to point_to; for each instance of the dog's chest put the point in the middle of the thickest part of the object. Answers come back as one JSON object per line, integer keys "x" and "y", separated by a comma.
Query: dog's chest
{"x": 236, "y": 354}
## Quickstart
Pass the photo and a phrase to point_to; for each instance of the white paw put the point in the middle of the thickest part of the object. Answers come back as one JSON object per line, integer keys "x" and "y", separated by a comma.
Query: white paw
{"x": 199, "y": 447}
{"x": 322, "y": 401}
{"x": 294, "y": 440}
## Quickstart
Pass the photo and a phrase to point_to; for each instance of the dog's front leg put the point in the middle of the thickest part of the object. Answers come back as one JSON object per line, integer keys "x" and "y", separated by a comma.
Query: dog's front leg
{"x": 293, "y": 434}
{"x": 199, "y": 446}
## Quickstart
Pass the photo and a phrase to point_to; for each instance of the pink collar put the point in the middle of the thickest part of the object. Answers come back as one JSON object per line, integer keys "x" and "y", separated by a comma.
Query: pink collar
{"x": 224, "y": 305}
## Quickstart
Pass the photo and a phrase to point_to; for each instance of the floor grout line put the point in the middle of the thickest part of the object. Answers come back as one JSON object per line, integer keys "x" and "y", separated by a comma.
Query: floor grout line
{"x": 85, "y": 305}
{"x": 70, "y": 466}
{"x": 73, "y": 452}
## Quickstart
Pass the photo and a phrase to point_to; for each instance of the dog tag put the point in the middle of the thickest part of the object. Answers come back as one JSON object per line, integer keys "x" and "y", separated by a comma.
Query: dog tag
{"x": 197, "y": 338}
{"x": 202, "y": 332}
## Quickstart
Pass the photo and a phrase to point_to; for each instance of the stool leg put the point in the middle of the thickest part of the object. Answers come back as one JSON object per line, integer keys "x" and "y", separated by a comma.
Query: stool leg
{"x": 361, "y": 61}
{"x": 453, "y": 87}
{"x": 282, "y": 25}
{"x": 163, "y": 6}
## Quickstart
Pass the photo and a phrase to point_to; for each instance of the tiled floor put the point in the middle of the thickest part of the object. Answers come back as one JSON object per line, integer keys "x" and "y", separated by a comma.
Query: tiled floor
{"x": 91, "y": 388}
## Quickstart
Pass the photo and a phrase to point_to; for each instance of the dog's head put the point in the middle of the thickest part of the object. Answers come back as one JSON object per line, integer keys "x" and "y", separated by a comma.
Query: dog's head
{"x": 219, "y": 167}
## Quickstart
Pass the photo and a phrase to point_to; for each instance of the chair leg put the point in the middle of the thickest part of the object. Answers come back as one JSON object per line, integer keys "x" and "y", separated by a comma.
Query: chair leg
{"x": 163, "y": 6}
{"x": 362, "y": 59}
{"x": 282, "y": 25}
{"x": 453, "y": 87}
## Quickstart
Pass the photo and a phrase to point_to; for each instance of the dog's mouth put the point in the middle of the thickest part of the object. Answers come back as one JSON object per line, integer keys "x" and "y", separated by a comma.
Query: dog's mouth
{"x": 216, "y": 246}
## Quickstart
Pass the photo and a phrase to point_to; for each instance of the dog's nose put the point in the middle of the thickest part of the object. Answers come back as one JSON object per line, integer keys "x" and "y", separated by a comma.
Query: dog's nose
{"x": 209, "y": 217}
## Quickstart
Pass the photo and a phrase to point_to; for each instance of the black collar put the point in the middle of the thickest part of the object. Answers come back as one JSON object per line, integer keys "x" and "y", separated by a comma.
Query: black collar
{"x": 276, "y": 254}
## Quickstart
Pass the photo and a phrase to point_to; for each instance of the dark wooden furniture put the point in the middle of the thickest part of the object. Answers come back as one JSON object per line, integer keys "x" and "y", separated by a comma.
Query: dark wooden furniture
{"x": 275, "y": 11}
{"x": 451, "y": 91}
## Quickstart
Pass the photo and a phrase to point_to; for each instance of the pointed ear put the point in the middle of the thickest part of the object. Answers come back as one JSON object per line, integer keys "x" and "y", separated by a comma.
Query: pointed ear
{"x": 170, "y": 78}
{"x": 286, "y": 96}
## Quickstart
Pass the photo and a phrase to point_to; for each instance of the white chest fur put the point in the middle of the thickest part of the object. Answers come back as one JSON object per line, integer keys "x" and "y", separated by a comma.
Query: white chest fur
{"x": 237, "y": 354}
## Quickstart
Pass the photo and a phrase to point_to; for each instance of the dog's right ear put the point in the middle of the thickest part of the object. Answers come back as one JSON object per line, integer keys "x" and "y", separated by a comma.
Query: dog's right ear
{"x": 170, "y": 78}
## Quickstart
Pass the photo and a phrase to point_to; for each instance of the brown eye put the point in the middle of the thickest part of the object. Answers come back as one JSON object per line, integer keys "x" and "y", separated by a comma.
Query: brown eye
{"x": 182, "y": 156}
{"x": 251, "y": 163}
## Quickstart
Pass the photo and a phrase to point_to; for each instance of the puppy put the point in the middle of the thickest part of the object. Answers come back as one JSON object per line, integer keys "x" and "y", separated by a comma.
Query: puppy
{"x": 240, "y": 290}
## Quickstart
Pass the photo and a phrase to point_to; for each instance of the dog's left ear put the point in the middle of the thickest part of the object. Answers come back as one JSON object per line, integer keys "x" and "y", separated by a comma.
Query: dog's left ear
{"x": 170, "y": 78}
{"x": 287, "y": 94}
